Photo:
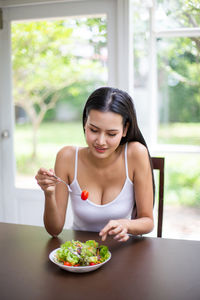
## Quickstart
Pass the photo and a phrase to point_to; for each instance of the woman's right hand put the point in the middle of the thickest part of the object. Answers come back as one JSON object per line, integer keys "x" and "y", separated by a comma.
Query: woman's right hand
{"x": 46, "y": 180}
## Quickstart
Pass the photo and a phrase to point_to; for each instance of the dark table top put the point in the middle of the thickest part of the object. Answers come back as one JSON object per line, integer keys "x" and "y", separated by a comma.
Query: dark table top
{"x": 142, "y": 268}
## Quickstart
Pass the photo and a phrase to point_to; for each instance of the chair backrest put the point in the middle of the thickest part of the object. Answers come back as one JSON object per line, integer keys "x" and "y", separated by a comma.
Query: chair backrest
{"x": 158, "y": 164}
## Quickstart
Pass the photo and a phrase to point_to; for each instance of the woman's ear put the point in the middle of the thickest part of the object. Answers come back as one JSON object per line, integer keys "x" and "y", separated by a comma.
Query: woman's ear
{"x": 125, "y": 129}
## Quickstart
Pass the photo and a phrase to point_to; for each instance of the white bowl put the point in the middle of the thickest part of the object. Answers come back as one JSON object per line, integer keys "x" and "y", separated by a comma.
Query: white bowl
{"x": 52, "y": 257}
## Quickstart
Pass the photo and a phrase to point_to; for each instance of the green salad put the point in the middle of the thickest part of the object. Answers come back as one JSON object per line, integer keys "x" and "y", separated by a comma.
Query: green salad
{"x": 76, "y": 253}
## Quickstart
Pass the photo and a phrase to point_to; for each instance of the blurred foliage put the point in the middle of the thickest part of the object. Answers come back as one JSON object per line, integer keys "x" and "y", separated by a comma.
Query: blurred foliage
{"x": 180, "y": 13}
{"x": 178, "y": 58}
{"x": 45, "y": 56}
{"x": 179, "y": 133}
{"x": 56, "y": 60}
{"x": 52, "y": 136}
{"x": 97, "y": 27}
{"x": 179, "y": 63}
{"x": 75, "y": 96}
{"x": 179, "y": 80}
{"x": 182, "y": 180}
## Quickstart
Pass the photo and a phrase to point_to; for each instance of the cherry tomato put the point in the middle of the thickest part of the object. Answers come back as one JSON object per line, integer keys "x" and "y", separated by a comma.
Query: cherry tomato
{"x": 66, "y": 263}
{"x": 84, "y": 195}
{"x": 77, "y": 265}
{"x": 92, "y": 264}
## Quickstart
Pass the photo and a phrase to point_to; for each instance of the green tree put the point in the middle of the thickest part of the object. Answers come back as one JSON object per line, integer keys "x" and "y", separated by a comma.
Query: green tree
{"x": 44, "y": 64}
{"x": 40, "y": 69}
{"x": 179, "y": 67}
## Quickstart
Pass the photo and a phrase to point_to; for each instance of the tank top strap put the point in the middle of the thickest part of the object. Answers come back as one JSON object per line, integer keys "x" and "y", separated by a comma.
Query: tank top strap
{"x": 76, "y": 163}
{"x": 126, "y": 160}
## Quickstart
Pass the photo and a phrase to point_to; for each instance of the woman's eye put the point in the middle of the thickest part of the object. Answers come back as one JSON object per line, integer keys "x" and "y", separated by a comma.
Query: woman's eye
{"x": 112, "y": 134}
{"x": 93, "y": 130}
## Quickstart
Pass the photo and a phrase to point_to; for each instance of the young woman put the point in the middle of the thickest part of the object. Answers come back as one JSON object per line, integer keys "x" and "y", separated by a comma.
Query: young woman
{"x": 115, "y": 168}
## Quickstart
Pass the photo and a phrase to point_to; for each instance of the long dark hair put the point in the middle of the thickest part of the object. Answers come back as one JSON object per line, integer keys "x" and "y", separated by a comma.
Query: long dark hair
{"x": 108, "y": 99}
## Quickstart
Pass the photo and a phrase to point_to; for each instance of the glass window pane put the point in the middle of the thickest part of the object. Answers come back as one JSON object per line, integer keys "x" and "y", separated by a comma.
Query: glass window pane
{"x": 179, "y": 90}
{"x": 177, "y": 14}
{"x": 56, "y": 65}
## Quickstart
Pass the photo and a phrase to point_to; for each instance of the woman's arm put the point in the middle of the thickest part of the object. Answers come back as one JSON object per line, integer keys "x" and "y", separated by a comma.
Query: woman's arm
{"x": 56, "y": 193}
{"x": 138, "y": 161}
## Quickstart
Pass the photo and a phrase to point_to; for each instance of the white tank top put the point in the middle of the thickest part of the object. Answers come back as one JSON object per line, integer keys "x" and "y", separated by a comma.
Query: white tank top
{"x": 93, "y": 217}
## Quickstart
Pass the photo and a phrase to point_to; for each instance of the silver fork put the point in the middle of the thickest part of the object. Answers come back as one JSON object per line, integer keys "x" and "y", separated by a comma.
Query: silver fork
{"x": 69, "y": 189}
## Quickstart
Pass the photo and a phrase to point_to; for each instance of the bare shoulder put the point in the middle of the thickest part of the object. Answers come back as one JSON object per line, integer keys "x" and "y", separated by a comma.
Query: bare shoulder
{"x": 65, "y": 160}
{"x": 138, "y": 156}
{"x": 137, "y": 150}
{"x": 66, "y": 153}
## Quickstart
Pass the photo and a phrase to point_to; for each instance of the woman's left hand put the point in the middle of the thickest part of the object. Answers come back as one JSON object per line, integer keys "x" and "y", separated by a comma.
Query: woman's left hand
{"x": 117, "y": 228}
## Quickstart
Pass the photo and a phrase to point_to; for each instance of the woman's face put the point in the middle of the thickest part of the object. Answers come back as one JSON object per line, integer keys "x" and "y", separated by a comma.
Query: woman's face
{"x": 103, "y": 132}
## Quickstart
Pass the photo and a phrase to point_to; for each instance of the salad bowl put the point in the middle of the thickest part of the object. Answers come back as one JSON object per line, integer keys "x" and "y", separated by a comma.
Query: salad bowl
{"x": 80, "y": 257}
{"x": 78, "y": 269}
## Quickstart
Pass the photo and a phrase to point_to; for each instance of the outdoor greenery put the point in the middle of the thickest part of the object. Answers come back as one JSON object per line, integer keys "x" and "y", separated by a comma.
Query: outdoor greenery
{"x": 178, "y": 58}
{"x": 50, "y": 64}
{"x": 179, "y": 80}
{"x": 179, "y": 133}
{"x": 52, "y": 136}
{"x": 179, "y": 63}
{"x": 182, "y": 179}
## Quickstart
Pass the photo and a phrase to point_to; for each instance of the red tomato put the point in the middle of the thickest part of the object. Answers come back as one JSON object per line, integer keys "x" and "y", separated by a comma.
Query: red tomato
{"x": 92, "y": 264}
{"x": 66, "y": 263}
{"x": 84, "y": 195}
{"x": 77, "y": 265}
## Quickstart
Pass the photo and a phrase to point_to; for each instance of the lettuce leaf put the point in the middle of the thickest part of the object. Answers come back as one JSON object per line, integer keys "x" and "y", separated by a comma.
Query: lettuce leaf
{"x": 76, "y": 252}
{"x": 104, "y": 253}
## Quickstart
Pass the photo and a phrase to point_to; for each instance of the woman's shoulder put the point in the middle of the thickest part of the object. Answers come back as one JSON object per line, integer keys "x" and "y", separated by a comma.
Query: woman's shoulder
{"x": 65, "y": 160}
{"x": 138, "y": 155}
{"x": 137, "y": 150}
{"x": 138, "y": 158}
{"x": 66, "y": 152}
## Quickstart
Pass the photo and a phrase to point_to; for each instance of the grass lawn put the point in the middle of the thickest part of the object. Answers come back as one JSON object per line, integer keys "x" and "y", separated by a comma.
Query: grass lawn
{"x": 179, "y": 133}
{"x": 51, "y": 137}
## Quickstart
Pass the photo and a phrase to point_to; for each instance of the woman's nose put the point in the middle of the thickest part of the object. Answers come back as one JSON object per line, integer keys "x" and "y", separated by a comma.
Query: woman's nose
{"x": 101, "y": 139}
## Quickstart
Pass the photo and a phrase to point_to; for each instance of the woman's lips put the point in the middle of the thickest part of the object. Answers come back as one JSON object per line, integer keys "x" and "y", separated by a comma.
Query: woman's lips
{"x": 100, "y": 150}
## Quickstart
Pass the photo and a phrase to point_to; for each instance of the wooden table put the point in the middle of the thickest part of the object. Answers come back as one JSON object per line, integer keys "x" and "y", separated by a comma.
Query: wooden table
{"x": 142, "y": 268}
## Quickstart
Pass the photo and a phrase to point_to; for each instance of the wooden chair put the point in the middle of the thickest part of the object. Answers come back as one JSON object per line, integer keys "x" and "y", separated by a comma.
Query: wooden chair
{"x": 158, "y": 164}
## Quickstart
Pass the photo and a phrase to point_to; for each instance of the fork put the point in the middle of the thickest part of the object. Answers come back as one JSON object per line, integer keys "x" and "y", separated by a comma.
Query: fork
{"x": 69, "y": 189}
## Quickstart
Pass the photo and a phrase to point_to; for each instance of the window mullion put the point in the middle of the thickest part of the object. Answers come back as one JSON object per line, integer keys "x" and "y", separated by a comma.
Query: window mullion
{"x": 180, "y": 32}
{"x": 153, "y": 105}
